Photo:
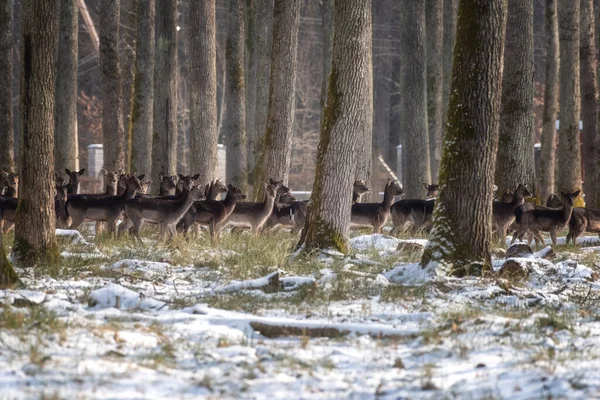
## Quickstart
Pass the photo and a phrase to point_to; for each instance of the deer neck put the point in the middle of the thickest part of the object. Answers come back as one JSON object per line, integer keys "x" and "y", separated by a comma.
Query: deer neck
{"x": 388, "y": 197}
{"x": 73, "y": 188}
{"x": 12, "y": 192}
{"x": 229, "y": 201}
{"x": 268, "y": 204}
{"x": 111, "y": 190}
{"x": 165, "y": 192}
{"x": 129, "y": 193}
{"x": 517, "y": 200}
{"x": 213, "y": 193}
{"x": 567, "y": 210}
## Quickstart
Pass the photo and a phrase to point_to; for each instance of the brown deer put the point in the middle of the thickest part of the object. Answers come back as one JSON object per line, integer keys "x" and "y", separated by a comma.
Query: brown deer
{"x": 60, "y": 207}
{"x": 375, "y": 215}
{"x": 432, "y": 190}
{"x": 416, "y": 212}
{"x": 159, "y": 210}
{"x": 503, "y": 213}
{"x": 536, "y": 220}
{"x": 73, "y": 185}
{"x": 583, "y": 220}
{"x": 11, "y": 184}
{"x": 107, "y": 209}
{"x": 359, "y": 189}
{"x": 167, "y": 185}
{"x": 111, "y": 180}
{"x": 3, "y": 182}
{"x": 253, "y": 215}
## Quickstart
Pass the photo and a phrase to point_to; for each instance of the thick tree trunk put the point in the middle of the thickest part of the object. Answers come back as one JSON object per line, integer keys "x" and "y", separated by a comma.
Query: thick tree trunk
{"x": 589, "y": 104}
{"x": 112, "y": 103}
{"x": 569, "y": 151}
{"x": 382, "y": 84}
{"x": 235, "y": 129}
{"x": 548, "y": 150}
{"x": 435, "y": 82}
{"x": 414, "y": 107}
{"x": 164, "y": 137}
{"x": 7, "y": 159}
{"x": 450, "y": 15}
{"x": 142, "y": 111}
{"x": 35, "y": 221}
{"x": 344, "y": 117}
{"x": 203, "y": 90}
{"x": 462, "y": 231}
{"x": 515, "y": 141}
{"x": 263, "y": 20}
{"x": 65, "y": 118}
{"x": 276, "y": 147}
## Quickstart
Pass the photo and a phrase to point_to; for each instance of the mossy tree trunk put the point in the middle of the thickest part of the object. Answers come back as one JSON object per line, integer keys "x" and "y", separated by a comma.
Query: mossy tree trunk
{"x": 250, "y": 79}
{"x": 263, "y": 20}
{"x": 462, "y": 228}
{"x": 414, "y": 103}
{"x": 35, "y": 239}
{"x": 113, "y": 130}
{"x": 569, "y": 150}
{"x": 65, "y": 118}
{"x": 548, "y": 150}
{"x": 589, "y": 104}
{"x": 235, "y": 114}
{"x": 327, "y": 28}
{"x": 435, "y": 85}
{"x": 450, "y": 15}
{"x": 276, "y": 146}
{"x": 515, "y": 161}
{"x": 7, "y": 159}
{"x": 203, "y": 90}
{"x": 142, "y": 111}
{"x": 344, "y": 116}
{"x": 164, "y": 137}
{"x": 8, "y": 276}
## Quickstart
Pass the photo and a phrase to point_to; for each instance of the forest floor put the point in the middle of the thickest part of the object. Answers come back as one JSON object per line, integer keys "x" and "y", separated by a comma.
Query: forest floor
{"x": 247, "y": 320}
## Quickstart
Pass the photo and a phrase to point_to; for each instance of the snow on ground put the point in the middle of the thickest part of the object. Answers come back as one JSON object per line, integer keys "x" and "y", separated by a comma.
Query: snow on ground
{"x": 136, "y": 329}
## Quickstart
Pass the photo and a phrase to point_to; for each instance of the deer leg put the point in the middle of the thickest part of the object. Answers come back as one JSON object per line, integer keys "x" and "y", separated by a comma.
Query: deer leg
{"x": 553, "y": 236}
{"x": 125, "y": 225}
{"x": 98, "y": 227}
{"x": 76, "y": 221}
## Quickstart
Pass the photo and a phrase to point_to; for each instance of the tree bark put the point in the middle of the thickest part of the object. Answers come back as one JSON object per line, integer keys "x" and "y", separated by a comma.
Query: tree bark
{"x": 113, "y": 130}
{"x": 235, "y": 129}
{"x": 515, "y": 160}
{"x": 263, "y": 20}
{"x": 35, "y": 221}
{"x": 589, "y": 104}
{"x": 435, "y": 82}
{"x": 462, "y": 230}
{"x": 450, "y": 16}
{"x": 276, "y": 147}
{"x": 142, "y": 111}
{"x": 66, "y": 151}
{"x": 251, "y": 86}
{"x": 548, "y": 150}
{"x": 203, "y": 90}
{"x": 344, "y": 117}
{"x": 7, "y": 158}
{"x": 327, "y": 25}
{"x": 414, "y": 105}
{"x": 164, "y": 137}
{"x": 569, "y": 151}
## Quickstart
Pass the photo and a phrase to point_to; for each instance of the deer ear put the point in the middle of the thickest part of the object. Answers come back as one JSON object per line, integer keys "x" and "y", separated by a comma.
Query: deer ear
{"x": 576, "y": 193}
{"x": 426, "y": 186}
{"x": 195, "y": 177}
{"x": 160, "y": 177}
{"x": 81, "y": 171}
{"x": 181, "y": 176}
{"x": 141, "y": 177}
{"x": 68, "y": 171}
{"x": 104, "y": 172}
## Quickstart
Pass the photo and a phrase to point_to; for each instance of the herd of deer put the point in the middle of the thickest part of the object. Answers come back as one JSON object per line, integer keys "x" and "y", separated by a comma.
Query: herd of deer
{"x": 180, "y": 205}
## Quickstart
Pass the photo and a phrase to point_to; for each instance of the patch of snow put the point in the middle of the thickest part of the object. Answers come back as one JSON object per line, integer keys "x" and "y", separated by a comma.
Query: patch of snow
{"x": 117, "y": 296}
{"x": 74, "y": 234}
{"x": 409, "y": 274}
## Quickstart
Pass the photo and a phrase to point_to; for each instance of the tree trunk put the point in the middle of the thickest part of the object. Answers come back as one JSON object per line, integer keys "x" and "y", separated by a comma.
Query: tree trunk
{"x": 112, "y": 104}
{"x": 548, "y": 150}
{"x": 142, "y": 111}
{"x": 35, "y": 221}
{"x": 164, "y": 137}
{"x": 251, "y": 86}
{"x": 450, "y": 15}
{"x": 276, "y": 150}
{"x": 327, "y": 25}
{"x": 589, "y": 104}
{"x": 345, "y": 115}
{"x": 515, "y": 141}
{"x": 435, "y": 84}
{"x": 65, "y": 118}
{"x": 235, "y": 129}
{"x": 462, "y": 231}
{"x": 7, "y": 159}
{"x": 8, "y": 276}
{"x": 203, "y": 90}
{"x": 569, "y": 151}
{"x": 414, "y": 107}
{"x": 263, "y": 20}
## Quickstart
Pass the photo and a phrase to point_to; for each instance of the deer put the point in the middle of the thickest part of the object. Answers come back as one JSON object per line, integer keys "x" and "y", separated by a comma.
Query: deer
{"x": 417, "y": 212}
{"x": 360, "y": 189}
{"x": 375, "y": 215}
{"x": 111, "y": 180}
{"x": 73, "y": 185}
{"x": 583, "y": 220}
{"x": 180, "y": 185}
{"x": 159, "y": 210}
{"x": 9, "y": 184}
{"x": 253, "y": 215}
{"x": 544, "y": 219}
{"x": 168, "y": 184}
{"x": 283, "y": 215}
{"x": 60, "y": 206}
{"x": 503, "y": 213}
{"x": 3, "y": 182}
{"x": 107, "y": 209}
